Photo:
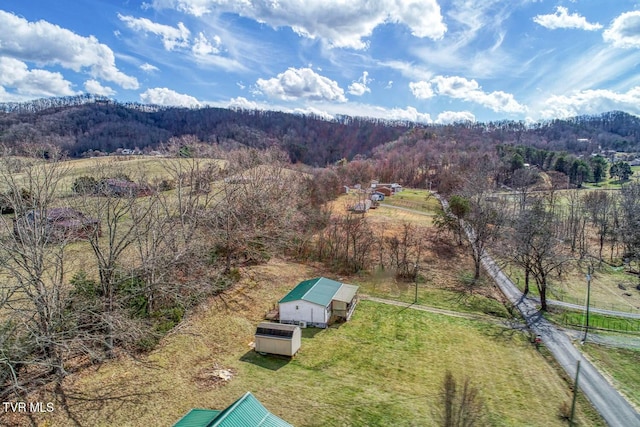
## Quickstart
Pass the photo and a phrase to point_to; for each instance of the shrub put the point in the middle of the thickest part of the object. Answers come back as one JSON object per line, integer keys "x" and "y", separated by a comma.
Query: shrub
{"x": 85, "y": 185}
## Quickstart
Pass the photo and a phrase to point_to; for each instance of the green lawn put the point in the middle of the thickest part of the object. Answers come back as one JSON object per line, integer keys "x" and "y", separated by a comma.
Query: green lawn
{"x": 576, "y": 320}
{"x": 619, "y": 364}
{"x": 416, "y": 199}
{"x": 382, "y": 368}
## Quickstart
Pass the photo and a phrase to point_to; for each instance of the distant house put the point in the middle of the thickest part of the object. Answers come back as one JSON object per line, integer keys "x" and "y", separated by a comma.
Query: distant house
{"x": 278, "y": 338}
{"x": 361, "y": 206}
{"x": 386, "y": 191}
{"x": 244, "y": 412}
{"x": 394, "y": 187}
{"x": 123, "y": 188}
{"x": 59, "y": 224}
{"x": 318, "y": 302}
{"x": 377, "y": 196}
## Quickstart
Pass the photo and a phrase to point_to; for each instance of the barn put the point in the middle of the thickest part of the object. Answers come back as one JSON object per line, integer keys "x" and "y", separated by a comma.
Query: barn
{"x": 278, "y": 338}
{"x": 318, "y": 302}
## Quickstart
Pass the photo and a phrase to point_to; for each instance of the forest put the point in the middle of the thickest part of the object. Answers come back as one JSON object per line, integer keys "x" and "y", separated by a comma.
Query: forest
{"x": 81, "y": 125}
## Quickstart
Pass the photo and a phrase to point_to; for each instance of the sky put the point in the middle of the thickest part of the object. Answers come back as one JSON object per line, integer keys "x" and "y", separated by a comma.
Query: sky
{"x": 429, "y": 61}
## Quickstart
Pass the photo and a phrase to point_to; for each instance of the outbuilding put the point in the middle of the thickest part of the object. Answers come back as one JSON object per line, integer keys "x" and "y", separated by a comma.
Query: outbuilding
{"x": 278, "y": 338}
{"x": 318, "y": 302}
{"x": 247, "y": 411}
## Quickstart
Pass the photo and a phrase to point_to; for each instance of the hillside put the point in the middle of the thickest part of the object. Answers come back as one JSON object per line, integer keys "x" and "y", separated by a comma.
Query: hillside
{"x": 82, "y": 123}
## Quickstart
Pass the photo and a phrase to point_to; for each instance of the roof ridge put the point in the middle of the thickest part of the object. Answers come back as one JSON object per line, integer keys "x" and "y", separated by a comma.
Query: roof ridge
{"x": 230, "y": 408}
{"x": 316, "y": 280}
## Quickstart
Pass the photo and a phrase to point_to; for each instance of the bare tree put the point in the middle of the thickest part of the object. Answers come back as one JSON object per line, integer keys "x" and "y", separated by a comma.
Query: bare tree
{"x": 36, "y": 333}
{"x": 630, "y": 219}
{"x": 599, "y": 205}
{"x": 123, "y": 218}
{"x": 483, "y": 225}
{"x": 405, "y": 251}
{"x": 522, "y": 181}
{"x": 535, "y": 246}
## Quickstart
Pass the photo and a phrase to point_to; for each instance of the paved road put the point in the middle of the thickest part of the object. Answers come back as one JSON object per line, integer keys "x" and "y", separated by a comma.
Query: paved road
{"x": 614, "y": 408}
{"x": 622, "y": 314}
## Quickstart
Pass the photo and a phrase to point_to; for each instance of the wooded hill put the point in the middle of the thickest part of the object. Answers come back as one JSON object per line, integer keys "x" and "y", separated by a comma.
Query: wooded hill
{"x": 86, "y": 122}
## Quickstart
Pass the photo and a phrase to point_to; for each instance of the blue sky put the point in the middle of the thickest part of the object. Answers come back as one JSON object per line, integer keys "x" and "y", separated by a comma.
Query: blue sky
{"x": 422, "y": 60}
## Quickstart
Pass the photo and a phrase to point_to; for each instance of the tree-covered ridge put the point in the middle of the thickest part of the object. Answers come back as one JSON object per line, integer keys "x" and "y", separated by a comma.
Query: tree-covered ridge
{"x": 82, "y": 123}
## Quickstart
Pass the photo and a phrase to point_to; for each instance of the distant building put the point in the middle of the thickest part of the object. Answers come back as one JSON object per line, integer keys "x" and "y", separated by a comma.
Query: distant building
{"x": 361, "y": 206}
{"x": 377, "y": 196}
{"x": 122, "y": 188}
{"x": 59, "y": 224}
{"x": 244, "y": 412}
{"x": 394, "y": 187}
{"x": 318, "y": 302}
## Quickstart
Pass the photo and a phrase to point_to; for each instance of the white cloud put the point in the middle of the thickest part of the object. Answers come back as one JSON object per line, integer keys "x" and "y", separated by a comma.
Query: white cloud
{"x": 359, "y": 87}
{"x": 164, "y": 96}
{"x": 408, "y": 69}
{"x": 16, "y": 75}
{"x": 94, "y": 86}
{"x": 447, "y": 117}
{"x": 389, "y": 84}
{"x": 312, "y": 111}
{"x": 410, "y": 114}
{"x": 339, "y": 23}
{"x": 296, "y": 83}
{"x": 624, "y": 31}
{"x": 243, "y": 103}
{"x": 469, "y": 90}
{"x": 172, "y": 37}
{"x": 203, "y": 47}
{"x": 421, "y": 90}
{"x": 47, "y": 44}
{"x": 148, "y": 68}
{"x": 562, "y": 19}
{"x": 591, "y": 102}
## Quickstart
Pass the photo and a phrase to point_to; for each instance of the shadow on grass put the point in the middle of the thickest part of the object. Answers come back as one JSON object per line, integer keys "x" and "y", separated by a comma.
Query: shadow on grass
{"x": 78, "y": 403}
{"x": 312, "y": 332}
{"x": 273, "y": 362}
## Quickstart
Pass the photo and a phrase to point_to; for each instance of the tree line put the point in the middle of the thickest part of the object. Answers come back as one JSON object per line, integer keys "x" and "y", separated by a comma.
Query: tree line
{"x": 86, "y": 124}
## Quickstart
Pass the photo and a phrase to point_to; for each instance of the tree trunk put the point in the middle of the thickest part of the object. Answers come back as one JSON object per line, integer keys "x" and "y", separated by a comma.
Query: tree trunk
{"x": 543, "y": 296}
{"x": 526, "y": 281}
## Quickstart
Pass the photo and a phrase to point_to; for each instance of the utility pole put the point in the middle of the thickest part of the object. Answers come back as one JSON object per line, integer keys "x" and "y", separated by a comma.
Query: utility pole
{"x": 415, "y": 280}
{"x": 575, "y": 395}
{"x": 586, "y": 328}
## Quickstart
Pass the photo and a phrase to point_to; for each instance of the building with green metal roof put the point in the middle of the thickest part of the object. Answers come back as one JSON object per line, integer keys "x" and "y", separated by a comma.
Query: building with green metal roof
{"x": 244, "y": 412}
{"x": 318, "y": 302}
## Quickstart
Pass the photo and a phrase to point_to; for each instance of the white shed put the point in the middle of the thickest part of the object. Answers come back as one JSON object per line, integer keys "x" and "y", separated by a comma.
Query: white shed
{"x": 318, "y": 302}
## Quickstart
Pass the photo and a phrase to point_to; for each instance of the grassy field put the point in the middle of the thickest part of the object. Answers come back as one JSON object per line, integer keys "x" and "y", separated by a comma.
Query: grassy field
{"x": 621, "y": 367}
{"x": 576, "y": 320}
{"x": 419, "y": 200}
{"x": 611, "y": 287}
{"x": 384, "y": 367}
{"x": 145, "y": 168}
{"x": 612, "y": 183}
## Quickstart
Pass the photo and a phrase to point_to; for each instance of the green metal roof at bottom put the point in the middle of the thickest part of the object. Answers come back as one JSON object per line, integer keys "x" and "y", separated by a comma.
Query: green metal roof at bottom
{"x": 244, "y": 412}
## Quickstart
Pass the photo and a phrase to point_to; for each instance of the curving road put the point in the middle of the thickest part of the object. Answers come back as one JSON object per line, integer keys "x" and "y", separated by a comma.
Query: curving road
{"x": 611, "y": 405}
{"x": 614, "y": 408}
